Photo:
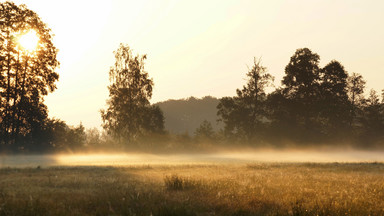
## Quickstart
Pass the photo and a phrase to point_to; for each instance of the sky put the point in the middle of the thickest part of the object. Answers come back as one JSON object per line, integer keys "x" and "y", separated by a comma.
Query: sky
{"x": 200, "y": 47}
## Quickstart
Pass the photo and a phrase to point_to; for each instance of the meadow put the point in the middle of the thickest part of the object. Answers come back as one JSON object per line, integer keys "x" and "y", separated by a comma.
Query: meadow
{"x": 256, "y": 188}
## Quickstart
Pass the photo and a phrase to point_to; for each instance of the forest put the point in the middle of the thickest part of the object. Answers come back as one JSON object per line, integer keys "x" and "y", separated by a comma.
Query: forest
{"x": 313, "y": 106}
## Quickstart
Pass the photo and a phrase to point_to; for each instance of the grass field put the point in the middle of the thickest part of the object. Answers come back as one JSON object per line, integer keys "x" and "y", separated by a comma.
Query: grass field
{"x": 196, "y": 189}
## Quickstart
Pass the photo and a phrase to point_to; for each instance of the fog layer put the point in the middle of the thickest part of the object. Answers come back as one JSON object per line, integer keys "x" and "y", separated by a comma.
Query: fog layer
{"x": 176, "y": 159}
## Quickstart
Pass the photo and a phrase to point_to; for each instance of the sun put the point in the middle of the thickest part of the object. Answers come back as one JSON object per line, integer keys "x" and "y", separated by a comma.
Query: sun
{"x": 29, "y": 41}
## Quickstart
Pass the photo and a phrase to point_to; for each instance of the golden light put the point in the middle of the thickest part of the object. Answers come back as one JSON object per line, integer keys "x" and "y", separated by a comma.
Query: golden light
{"x": 29, "y": 41}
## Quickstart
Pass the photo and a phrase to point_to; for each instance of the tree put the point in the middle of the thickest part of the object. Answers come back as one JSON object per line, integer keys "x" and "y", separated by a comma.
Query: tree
{"x": 356, "y": 86}
{"x": 205, "y": 131}
{"x": 56, "y": 134}
{"x": 129, "y": 114}
{"x": 245, "y": 114}
{"x": 93, "y": 138}
{"x": 27, "y": 72}
{"x": 302, "y": 74}
{"x": 334, "y": 104}
{"x": 154, "y": 120}
{"x": 76, "y": 138}
{"x": 301, "y": 87}
{"x": 372, "y": 121}
{"x": 382, "y": 96}
{"x": 283, "y": 122}
{"x": 187, "y": 114}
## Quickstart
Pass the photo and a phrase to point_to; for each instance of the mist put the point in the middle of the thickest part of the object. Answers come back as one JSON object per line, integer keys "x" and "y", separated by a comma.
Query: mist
{"x": 239, "y": 157}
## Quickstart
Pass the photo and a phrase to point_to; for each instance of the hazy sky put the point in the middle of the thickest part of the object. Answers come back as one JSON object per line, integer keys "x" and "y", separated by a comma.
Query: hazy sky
{"x": 199, "y": 48}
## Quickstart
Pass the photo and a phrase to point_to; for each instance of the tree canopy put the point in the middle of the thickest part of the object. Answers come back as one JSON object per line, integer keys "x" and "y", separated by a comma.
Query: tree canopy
{"x": 129, "y": 114}
{"x": 313, "y": 105}
{"x": 27, "y": 73}
{"x": 245, "y": 115}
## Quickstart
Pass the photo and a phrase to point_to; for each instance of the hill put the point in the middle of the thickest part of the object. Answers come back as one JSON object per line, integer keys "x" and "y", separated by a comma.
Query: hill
{"x": 185, "y": 115}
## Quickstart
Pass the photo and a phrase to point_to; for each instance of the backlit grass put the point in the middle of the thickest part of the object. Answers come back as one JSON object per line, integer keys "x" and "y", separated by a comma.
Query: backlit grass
{"x": 211, "y": 189}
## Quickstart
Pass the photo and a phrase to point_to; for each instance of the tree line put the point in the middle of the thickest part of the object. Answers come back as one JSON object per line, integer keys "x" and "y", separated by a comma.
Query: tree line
{"x": 313, "y": 105}
{"x": 185, "y": 115}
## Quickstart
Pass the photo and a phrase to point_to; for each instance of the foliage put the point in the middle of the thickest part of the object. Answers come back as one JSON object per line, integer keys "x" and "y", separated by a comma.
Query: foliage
{"x": 334, "y": 106}
{"x": 154, "y": 120}
{"x": 356, "y": 86}
{"x": 129, "y": 114}
{"x": 59, "y": 137}
{"x": 26, "y": 76}
{"x": 302, "y": 74}
{"x": 205, "y": 131}
{"x": 93, "y": 138}
{"x": 245, "y": 115}
{"x": 301, "y": 87}
{"x": 314, "y": 105}
{"x": 372, "y": 121}
{"x": 187, "y": 114}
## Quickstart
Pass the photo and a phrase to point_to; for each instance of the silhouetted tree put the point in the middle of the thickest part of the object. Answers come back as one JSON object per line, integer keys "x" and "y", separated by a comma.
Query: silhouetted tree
{"x": 154, "y": 120}
{"x": 93, "y": 138}
{"x": 245, "y": 115}
{"x": 187, "y": 114}
{"x": 25, "y": 75}
{"x": 129, "y": 114}
{"x": 372, "y": 121}
{"x": 302, "y": 74}
{"x": 59, "y": 137}
{"x": 314, "y": 105}
{"x": 57, "y": 133}
{"x": 205, "y": 131}
{"x": 334, "y": 105}
{"x": 76, "y": 138}
{"x": 382, "y": 96}
{"x": 301, "y": 85}
{"x": 356, "y": 86}
{"x": 283, "y": 122}
{"x": 228, "y": 113}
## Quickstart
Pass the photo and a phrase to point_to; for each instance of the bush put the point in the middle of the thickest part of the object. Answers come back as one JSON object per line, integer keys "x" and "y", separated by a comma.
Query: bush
{"x": 176, "y": 182}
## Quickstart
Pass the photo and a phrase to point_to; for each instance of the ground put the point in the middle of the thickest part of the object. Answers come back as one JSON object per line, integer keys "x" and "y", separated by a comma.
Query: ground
{"x": 195, "y": 189}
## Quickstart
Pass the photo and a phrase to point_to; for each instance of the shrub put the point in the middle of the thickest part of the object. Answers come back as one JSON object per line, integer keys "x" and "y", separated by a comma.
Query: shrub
{"x": 176, "y": 182}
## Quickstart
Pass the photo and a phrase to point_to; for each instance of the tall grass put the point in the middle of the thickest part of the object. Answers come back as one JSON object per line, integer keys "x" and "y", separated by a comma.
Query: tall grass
{"x": 236, "y": 189}
{"x": 175, "y": 182}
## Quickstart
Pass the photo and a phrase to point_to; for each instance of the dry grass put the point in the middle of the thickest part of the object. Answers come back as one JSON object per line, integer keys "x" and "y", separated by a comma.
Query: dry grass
{"x": 175, "y": 182}
{"x": 232, "y": 189}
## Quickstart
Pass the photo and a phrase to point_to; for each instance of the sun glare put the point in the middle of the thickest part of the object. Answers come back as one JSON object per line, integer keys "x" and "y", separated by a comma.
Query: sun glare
{"x": 29, "y": 41}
